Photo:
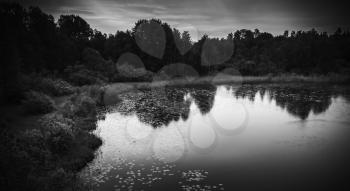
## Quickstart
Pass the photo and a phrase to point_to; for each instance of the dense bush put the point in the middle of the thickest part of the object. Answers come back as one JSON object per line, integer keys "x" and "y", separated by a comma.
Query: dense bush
{"x": 37, "y": 103}
{"x": 68, "y": 109}
{"x": 83, "y": 104}
{"x": 33, "y": 142}
{"x": 92, "y": 141}
{"x": 80, "y": 75}
{"x": 28, "y": 160}
{"x": 58, "y": 132}
{"x": 86, "y": 106}
{"x": 95, "y": 92}
{"x": 127, "y": 72}
{"x": 60, "y": 140}
{"x": 49, "y": 86}
{"x": 56, "y": 87}
{"x": 93, "y": 60}
{"x": 87, "y": 124}
{"x": 47, "y": 156}
{"x": 80, "y": 106}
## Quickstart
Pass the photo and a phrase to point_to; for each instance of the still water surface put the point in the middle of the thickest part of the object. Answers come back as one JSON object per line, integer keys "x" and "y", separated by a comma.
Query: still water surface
{"x": 222, "y": 138}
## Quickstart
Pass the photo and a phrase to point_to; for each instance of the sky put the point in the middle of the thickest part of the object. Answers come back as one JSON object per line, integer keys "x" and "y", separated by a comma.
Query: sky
{"x": 213, "y": 17}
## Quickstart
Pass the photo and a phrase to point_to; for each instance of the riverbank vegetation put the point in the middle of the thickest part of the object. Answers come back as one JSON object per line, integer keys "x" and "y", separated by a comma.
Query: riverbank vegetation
{"x": 47, "y": 139}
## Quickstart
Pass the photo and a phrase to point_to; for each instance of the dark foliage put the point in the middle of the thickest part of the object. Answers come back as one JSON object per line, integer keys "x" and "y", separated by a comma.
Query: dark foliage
{"x": 37, "y": 103}
{"x": 32, "y": 41}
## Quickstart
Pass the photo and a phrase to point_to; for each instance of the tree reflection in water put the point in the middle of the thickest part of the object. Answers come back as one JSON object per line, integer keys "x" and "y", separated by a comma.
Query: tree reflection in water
{"x": 298, "y": 100}
{"x": 160, "y": 106}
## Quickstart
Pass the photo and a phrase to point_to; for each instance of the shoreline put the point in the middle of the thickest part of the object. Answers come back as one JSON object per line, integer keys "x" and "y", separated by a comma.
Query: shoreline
{"x": 284, "y": 79}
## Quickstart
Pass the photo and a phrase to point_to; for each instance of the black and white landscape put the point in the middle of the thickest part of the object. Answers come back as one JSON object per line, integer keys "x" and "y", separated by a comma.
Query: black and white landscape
{"x": 174, "y": 95}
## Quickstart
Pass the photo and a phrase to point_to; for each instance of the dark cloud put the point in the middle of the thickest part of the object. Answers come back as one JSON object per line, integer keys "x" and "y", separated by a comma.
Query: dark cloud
{"x": 208, "y": 16}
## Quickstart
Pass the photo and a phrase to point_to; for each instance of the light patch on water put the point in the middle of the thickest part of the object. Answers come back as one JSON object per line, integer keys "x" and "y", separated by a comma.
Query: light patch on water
{"x": 201, "y": 133}
{"x": 235, "y": 114}
{"x": 138, "y": 130}
{"x": 169, "y": 145}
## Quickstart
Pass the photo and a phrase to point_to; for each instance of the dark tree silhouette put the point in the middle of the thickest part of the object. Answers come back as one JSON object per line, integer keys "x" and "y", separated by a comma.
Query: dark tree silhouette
{"x": 31, "y": 41}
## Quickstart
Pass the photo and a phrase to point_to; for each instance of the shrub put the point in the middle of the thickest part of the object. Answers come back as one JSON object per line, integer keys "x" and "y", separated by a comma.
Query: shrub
{"x": 80, "y": 75}
{"x": 87, "y": 124}
{"x": 93, "y": 60}
{"x": 50, "y": 86}
{"x": 96, "y": 92}
{"x": 52, "y": 121}
{"x": 93, "y": 142}
{"x": 56, "y": 87}
{"x": 58, "y": 132}
{"x": 60, "y": 140}
{"x": 129, "y": 73}
{"x": 67, "y": 109}
{"x": 85, "y": 106}
{"x": 37, "y": 103}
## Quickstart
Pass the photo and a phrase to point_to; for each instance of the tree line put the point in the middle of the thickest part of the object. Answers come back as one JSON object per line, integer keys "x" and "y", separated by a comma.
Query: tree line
{"x": 33, "y": 42}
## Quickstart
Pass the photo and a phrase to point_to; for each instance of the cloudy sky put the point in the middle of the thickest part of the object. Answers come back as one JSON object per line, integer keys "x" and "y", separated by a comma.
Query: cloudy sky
{"x": 213, "y": 17}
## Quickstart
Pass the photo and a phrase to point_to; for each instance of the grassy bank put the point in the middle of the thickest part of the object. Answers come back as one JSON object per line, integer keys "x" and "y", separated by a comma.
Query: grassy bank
{"x": 117, "y": 88}
{"x": 288, "y": 78}
{"x": 283, "y": 78}
{"x": 47, "y": 139}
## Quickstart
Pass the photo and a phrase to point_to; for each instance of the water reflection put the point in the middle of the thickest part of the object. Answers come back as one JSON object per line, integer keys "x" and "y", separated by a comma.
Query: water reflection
{"x": 190, "y": 138}
{"x": 298, "y": 100}
{"x": 158, "y": 107}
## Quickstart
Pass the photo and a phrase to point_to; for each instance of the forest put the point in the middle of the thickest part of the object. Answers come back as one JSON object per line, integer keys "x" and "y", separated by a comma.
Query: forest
{"x": 34, "y": 43}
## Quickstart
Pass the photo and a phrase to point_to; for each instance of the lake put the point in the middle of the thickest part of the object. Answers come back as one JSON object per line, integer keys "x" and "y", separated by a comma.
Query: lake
{"x": 223, "y": 137}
